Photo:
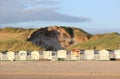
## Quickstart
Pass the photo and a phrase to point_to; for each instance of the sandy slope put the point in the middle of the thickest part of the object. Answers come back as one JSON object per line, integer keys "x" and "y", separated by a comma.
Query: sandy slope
{"x": 60, "y": 70}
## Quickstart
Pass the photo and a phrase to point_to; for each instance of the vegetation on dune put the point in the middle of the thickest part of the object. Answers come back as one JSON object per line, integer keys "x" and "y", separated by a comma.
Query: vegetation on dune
{"x": 101, "y": 41}
{"x": 17, "y": 45}
{"x": 69, "y": 30}
{"x": 15, "y": 39}
{"x": 80, "y": 34}
{"x": 76, "y": 31}
{"x": 15, "y": 30}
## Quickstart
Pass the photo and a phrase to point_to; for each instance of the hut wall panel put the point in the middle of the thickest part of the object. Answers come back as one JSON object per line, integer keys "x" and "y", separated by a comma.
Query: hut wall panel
{"x": 35, "y": 55}
{"x": 89, "y": 54}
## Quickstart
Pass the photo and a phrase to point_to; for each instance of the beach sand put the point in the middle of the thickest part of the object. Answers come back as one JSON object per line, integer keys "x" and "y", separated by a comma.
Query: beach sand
{"x": 60, "y": 70}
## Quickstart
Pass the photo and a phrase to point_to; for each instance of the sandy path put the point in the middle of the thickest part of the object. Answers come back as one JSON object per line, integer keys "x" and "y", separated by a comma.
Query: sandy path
{"x": 60, "y": 70}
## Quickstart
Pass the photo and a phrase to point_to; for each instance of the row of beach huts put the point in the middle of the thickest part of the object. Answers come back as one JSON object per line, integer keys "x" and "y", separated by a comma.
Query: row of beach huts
{"x": 75, "y": 54}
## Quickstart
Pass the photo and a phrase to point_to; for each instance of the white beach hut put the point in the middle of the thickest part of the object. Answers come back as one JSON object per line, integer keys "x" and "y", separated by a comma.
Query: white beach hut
{"x": 62, "y": 54}
{"x": 4, "y": 56}
{"x": 11, "y": 55}
{"x": 104, "y": 55}
{"x": 89, "y": 54}
{"x": 22, "y": 55}
{"x": 35, "y": 55}
{"x": 117, "y": 54}
{"x": 47, "y": 55}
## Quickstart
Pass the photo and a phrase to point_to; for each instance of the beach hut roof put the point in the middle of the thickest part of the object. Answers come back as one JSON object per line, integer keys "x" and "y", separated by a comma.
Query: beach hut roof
{"x": 75, "y": 50}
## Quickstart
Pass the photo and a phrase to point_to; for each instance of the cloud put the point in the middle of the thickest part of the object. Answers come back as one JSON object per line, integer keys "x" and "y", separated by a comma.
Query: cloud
{"x": 41, "y": 2}
{"x": 13, "y": 11}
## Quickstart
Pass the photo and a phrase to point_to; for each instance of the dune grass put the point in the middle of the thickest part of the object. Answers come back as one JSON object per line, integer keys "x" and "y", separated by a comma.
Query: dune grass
{"x": 104, "y": 41}
{"x": 15, "y": 39}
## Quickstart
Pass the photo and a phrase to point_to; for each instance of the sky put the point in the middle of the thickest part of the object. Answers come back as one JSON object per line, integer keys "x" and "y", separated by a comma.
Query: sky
{"x": 93, "y": 16}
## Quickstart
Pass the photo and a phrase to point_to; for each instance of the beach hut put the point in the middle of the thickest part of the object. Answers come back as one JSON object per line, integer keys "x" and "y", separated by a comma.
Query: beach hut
{"x": 16, "y": 56}
{"x": 117, "y": 54}
{"x": 111, "y": 54}
{"x": 28, "y": 55}
{"x": 47, "y": 55}
{"x": 40, "y": 55}
{"x": 11, "y": 55}
{"x": 54, "y": 55}
{"x": 61, "y": 54}
{"x": 4, "y": 56}
{"x": 96, "y": 55}
{"x": 35, "y": 55}
{"x": 68, "y": 57}
{"x": 75, "y": 54}
{"x": 104, "y": 55}
{"x": 23, "y": 55}
{"x": 89, "y": 54}
{"x": 82, "y": 54}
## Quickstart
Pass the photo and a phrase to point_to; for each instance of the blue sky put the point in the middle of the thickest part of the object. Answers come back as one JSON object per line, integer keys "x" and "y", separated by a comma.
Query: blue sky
{"x": 93, "y": 16}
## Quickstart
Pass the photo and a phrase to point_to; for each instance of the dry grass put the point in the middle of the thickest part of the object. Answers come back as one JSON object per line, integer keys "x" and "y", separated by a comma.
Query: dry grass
{"x": 16, "y": 41}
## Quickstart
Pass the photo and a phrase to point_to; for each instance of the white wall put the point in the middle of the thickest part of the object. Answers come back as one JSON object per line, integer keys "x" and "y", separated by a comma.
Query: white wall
{"x": 11, "y": 55}
{"x": 89, "y": 54}
{"x": 117, "y": 54}
{"x": 47, "y": 54}
{"x": 62, "y": 53}
{"x": 22, "y": 55}
{"x": 104, "y": 55}
{"x": 35, "y": 55}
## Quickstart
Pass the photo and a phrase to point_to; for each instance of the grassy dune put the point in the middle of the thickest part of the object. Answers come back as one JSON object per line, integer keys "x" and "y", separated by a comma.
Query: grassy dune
{"x": 100, "y": 41}
{"x": 15, "y": 39}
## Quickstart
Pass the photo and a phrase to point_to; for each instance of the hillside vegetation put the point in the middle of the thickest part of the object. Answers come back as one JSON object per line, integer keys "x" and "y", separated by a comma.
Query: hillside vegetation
{"x": 79, "y": 34}
{"x": 15, "y": 39}
{"x": 100, "y": 41}
{"x": 55, "y": 38}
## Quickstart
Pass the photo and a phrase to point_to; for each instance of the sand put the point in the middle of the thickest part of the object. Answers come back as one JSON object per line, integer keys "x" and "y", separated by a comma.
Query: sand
{"x": 60, "y": 70}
